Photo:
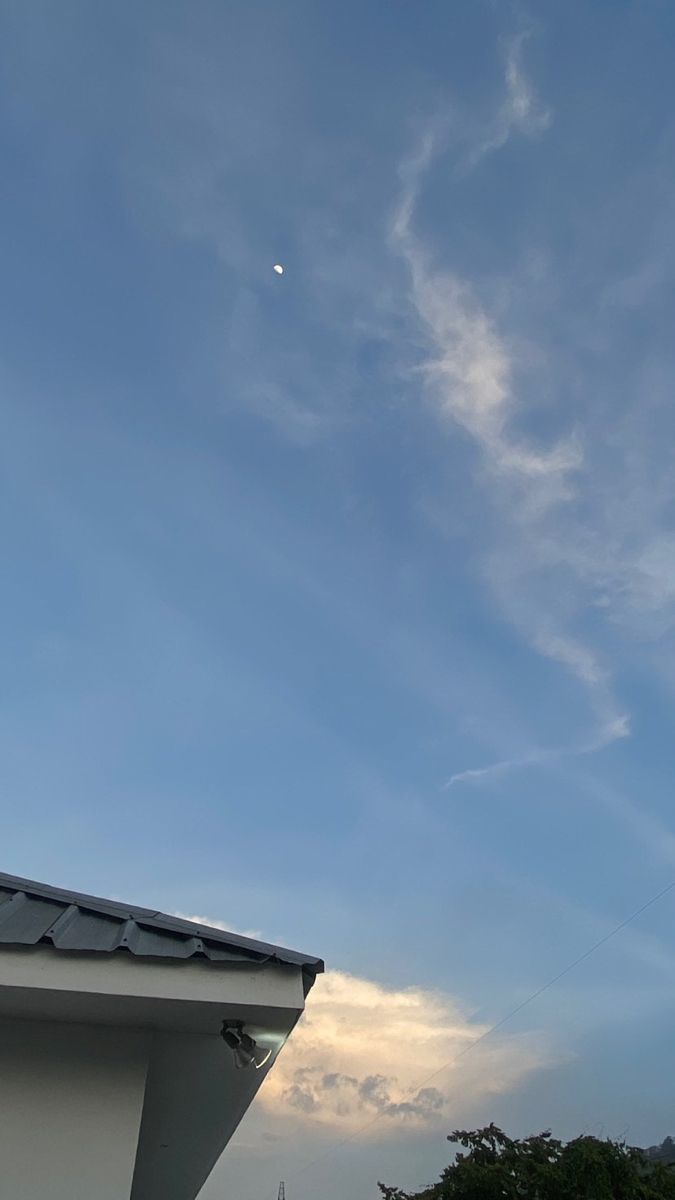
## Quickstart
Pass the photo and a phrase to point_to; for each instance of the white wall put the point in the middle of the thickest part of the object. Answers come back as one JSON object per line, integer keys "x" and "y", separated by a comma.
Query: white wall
{"x": 194, "y": 1100}
{"x": 102, "y": 1056}
{"x": 71, "y": 1098}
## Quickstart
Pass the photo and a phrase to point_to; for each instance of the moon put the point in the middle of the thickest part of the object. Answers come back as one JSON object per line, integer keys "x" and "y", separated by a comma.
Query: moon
{"x": 278, "y": 268}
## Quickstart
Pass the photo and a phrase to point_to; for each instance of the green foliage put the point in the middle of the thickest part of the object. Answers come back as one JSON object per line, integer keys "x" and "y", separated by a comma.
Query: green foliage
{"x": 664, "y": 1153}
{"x": 492, "y": 1166}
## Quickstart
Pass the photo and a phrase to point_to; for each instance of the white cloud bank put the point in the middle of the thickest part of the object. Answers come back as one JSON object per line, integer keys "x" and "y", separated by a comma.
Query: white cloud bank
{"x": 363, "y": 1051}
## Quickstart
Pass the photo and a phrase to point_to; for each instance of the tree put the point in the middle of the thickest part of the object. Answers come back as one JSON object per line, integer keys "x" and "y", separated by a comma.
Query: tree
{"x": 493, "y": 1166}
{"x": 664, "y": 1153}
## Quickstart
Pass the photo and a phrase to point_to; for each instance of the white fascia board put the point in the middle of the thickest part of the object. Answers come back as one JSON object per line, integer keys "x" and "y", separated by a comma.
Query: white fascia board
{"x": 191, "y": 995}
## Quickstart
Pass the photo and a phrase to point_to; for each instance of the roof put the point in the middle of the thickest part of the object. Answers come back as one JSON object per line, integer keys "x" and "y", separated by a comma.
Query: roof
{"x": 34, "y": 914}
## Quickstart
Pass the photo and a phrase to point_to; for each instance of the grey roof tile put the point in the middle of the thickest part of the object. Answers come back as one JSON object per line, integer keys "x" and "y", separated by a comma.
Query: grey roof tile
{"x": 35, "y": 913}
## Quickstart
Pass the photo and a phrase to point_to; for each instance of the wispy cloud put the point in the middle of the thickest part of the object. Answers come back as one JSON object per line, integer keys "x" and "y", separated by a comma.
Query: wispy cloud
{"x": 521, "y": 111}
{"x": 616, "y": 728}
{"x": 503, "y": 767}
{"x": 364, "y": 1050}
{"x": 470, "y": 370}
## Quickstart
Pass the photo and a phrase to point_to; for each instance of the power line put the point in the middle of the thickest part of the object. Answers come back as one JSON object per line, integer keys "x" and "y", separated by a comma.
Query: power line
{"x": 493, "y": 1028}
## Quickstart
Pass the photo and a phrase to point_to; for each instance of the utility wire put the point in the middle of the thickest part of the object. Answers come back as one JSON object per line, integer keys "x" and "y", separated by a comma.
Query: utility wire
{"x": 493, "y": 1028}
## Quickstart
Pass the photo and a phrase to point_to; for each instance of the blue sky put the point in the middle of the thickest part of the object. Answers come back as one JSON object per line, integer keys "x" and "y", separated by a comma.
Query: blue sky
{"x": 340, "y": 605}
